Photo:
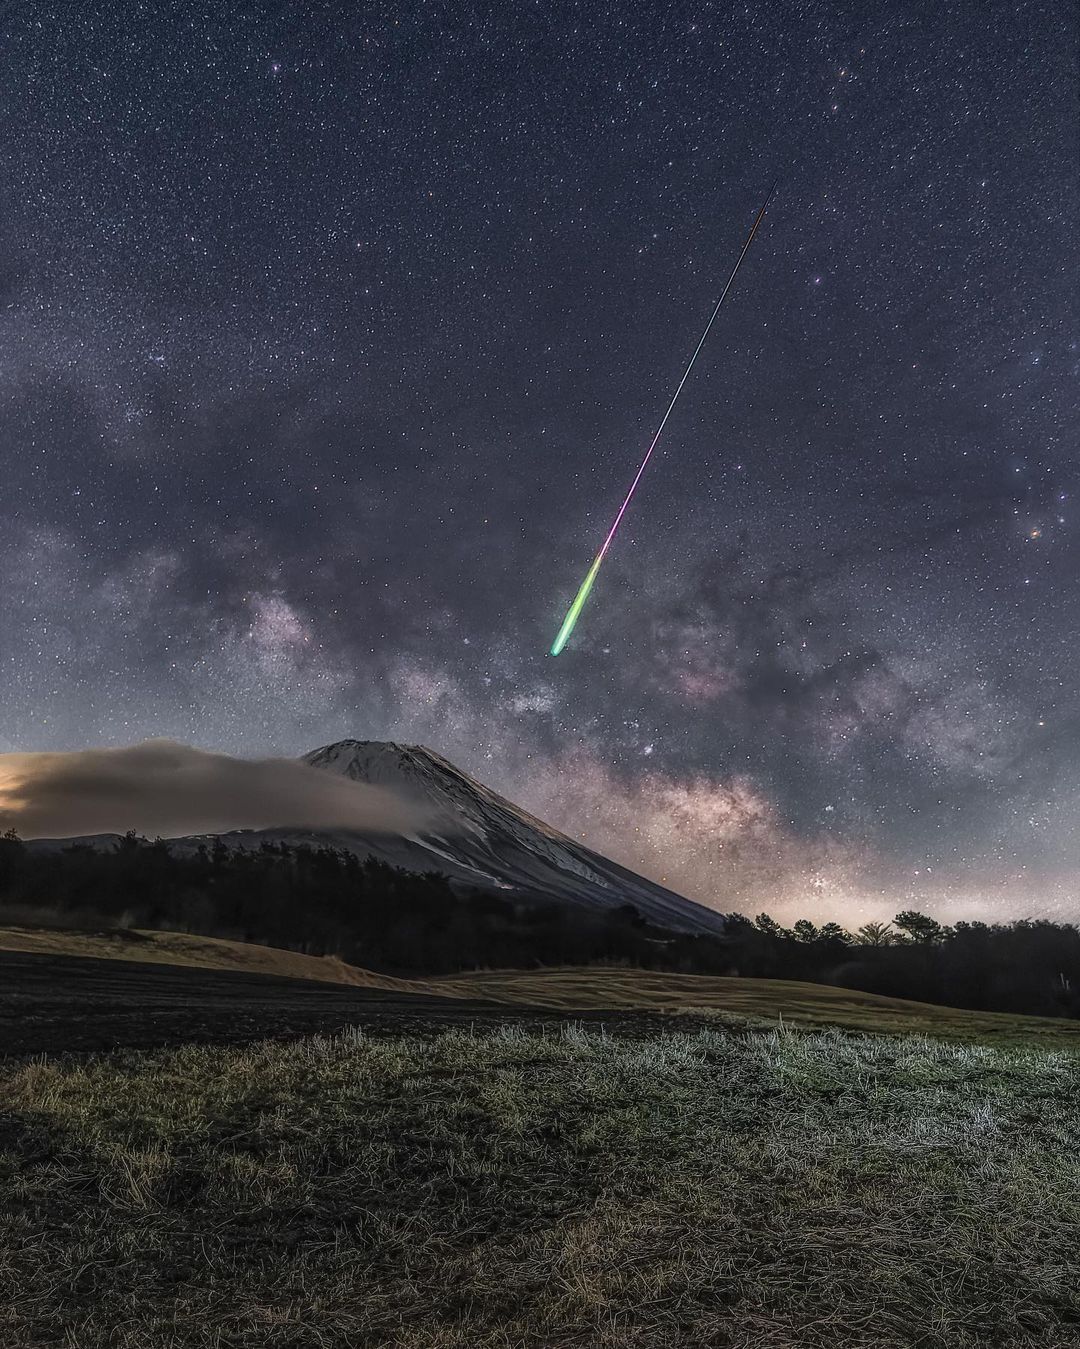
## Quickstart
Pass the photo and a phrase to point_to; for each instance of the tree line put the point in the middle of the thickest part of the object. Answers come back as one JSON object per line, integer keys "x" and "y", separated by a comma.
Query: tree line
{"x": 325, "y": 901}
{"x": 318, "y": 900}
{"x": 1027, "y": 965}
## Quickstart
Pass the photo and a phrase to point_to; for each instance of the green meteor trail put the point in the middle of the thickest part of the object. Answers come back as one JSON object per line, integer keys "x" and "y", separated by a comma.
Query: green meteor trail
{"x": 576, "y": 608}
{"x": 574, "y": 612}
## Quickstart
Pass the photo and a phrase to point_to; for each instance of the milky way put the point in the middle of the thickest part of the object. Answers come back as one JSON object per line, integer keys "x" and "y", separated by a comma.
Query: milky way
{"x": 323, "y": 336}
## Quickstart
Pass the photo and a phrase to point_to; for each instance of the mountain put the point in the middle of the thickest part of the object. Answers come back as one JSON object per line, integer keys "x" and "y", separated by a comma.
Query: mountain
{"x": 474, "y": 837}
{"x": 480, "y": 839}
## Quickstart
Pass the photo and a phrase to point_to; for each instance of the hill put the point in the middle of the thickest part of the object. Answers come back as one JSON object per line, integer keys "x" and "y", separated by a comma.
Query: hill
{"x": 751, "y": 1002}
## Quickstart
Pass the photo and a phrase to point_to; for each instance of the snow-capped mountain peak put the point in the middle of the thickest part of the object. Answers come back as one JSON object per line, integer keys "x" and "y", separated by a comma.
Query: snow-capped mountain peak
{"x": 477, "y": 837}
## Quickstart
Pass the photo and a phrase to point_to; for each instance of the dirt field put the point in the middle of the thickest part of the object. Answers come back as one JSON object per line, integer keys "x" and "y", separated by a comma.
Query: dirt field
{"x": 55, "y": 1004}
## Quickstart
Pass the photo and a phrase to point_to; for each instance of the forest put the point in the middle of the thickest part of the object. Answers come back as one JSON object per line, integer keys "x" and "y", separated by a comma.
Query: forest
{"x": 325, "y": 901}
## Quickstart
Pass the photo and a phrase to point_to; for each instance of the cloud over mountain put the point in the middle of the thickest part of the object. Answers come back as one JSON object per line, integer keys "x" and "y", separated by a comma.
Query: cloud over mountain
{"x": 167, "y": 789}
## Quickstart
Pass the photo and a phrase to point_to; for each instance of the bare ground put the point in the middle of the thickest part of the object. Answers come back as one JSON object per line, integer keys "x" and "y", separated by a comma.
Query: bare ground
{"x": 56, "y": 1004}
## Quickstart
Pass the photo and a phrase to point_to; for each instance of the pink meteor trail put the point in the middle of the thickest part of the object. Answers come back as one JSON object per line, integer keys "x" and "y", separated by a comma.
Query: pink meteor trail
{"x": 583, "y": 594}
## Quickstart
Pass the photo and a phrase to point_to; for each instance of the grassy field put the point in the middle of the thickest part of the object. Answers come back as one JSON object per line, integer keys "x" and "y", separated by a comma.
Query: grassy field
{"x": 510, "y": 1191}
{"x": 752, "y": 1002}
{"x": 189, "y": 950}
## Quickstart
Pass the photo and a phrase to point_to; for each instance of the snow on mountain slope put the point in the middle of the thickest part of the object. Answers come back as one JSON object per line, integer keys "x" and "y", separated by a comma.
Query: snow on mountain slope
{"x": 473, "y": 836}
{"x": 479, "y": 838}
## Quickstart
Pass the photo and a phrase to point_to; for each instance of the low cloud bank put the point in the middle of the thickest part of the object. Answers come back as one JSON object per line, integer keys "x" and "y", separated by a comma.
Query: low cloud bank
{"x": 160, "y": 788}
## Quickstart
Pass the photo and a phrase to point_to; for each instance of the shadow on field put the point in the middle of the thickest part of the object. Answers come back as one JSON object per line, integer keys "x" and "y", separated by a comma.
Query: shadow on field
{"x": 52, "y": 1004}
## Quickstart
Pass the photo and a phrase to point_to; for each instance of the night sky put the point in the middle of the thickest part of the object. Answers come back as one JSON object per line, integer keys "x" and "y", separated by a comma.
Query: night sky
{"x": 331, "y": 336}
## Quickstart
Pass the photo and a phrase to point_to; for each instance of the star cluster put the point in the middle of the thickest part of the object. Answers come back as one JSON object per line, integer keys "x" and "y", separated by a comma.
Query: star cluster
{"x": 330, "y": 336}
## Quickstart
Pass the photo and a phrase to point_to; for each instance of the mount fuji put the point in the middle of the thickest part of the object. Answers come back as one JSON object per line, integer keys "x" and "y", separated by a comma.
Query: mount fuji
{"x": 478, "y": 839}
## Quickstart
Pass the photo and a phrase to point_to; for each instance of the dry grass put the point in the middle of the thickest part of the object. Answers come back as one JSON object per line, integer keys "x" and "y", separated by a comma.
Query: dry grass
{"x": 755, "y": 1002}
{"x": 751, "y": 1001}
{"x": 192, "y": 951}
{"x": 511, "y": 1191}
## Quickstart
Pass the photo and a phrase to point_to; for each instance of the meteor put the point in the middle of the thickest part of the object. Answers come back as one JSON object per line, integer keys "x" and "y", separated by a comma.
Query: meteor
{"x": 574, "y": 612}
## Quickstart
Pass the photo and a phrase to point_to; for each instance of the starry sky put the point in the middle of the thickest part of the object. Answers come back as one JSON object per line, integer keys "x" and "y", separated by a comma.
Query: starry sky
{"x": 331, "y": 336}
